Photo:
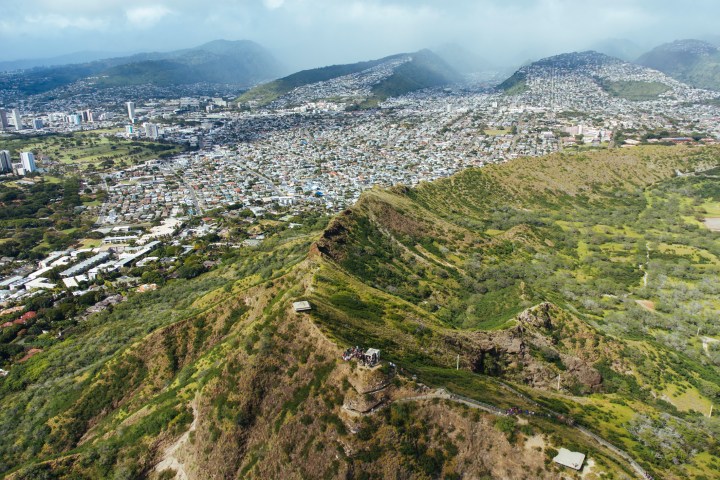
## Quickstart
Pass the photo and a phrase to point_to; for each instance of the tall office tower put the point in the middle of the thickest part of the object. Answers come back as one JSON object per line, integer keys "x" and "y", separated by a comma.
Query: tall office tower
{"x": 83, "y": 115}
{"x": 151, "y": 131}
{"x": 90, "y": 118}
{"x": 17, "y": 119}
{"x": 3, "y": 119}
{"x": 131, "y": 111}
{"x": 28, "y": 162}
{"x": 38, "y": 123}
{"x": 5, "y": 163}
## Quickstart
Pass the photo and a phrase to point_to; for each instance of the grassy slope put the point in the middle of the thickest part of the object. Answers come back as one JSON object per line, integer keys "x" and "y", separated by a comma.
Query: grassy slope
{"x": 268, "y": 92}
{"x": 267, "y": 385}
{"x": 634, "y": 90}
{"x": 425, "y": 70}
{"x": 463, "y": 277}
{"x": 702, "y": 71}
{"x": 515, "y": 85}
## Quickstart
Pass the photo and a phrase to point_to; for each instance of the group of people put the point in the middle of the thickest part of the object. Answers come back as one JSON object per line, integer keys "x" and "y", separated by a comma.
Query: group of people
{"x": 359, "y": 354}
{"x": 519, "y": 411}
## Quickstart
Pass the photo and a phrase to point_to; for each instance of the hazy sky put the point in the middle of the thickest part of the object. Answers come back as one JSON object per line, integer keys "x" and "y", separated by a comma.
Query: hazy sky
{"x": 317, "y": 32}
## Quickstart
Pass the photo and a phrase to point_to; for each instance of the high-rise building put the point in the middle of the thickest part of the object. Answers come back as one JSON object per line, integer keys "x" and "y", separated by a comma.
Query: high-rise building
{"x": 129, "y": 130}
{"x": 90, "y": 118}
{"x": 75, "y": 119}
{"x": 5, "y": 162}
{"x": 3, "y": 119}
{"x": 151, "y": 131}
{"x": 37, "y": 123}
{"x": 131, "y": 110}
{"x": 28, "y": 162}
{"x": 17, "y": 119}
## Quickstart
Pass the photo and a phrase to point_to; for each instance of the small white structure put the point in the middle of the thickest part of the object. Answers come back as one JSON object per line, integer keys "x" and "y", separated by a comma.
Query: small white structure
{"x": 372, "y": 352}
{"x": 302, "y": 306}
{"x": 570, "y": 459}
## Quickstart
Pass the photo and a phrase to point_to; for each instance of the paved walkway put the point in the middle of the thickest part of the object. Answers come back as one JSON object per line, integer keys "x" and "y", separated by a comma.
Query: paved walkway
{"x": 444, "y": 394}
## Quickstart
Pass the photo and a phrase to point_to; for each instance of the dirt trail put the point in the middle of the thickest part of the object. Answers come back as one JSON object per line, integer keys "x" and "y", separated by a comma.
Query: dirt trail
{"x": 170, "y": 460}
{"x": 706, "y": 341}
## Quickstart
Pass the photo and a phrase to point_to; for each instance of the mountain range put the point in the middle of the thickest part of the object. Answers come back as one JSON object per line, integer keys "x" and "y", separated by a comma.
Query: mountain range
{"x": 592, "y": 77}
{"x": 60, "y": 60}
{"x": 243, "y": 63}
{"x": 694, "y": 62}
{"x": 364, "y": 82}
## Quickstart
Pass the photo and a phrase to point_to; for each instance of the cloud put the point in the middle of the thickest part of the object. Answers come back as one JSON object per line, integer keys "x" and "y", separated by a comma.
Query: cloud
{"x": 57, "y": 21}
{"x": 147, "y": 16}
{"x": 273, "y": 4}
{"x": 307, "y": 33}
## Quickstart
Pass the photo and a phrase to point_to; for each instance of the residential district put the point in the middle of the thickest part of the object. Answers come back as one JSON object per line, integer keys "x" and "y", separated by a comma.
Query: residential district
{"x": 308, "y": 154}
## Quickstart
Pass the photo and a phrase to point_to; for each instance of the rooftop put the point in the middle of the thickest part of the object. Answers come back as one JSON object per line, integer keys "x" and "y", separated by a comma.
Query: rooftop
{"x": 570, "y": 459}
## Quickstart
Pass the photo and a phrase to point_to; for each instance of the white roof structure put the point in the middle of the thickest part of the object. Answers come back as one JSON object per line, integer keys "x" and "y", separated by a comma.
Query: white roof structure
{"x": 302, "y": 306}
{"x": 570, "y": 459}
{"x": 372, "y": 351}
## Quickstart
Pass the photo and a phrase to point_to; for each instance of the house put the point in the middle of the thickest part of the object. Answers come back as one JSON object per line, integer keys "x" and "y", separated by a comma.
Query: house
{"x": 303, "y": 306}
{"x": 570, "y": 459}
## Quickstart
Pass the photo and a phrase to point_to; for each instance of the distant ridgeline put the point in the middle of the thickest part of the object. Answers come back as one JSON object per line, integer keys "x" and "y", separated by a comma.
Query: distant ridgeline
{"x": 374, "y": 80}
{"x": 228, "y": 62}
{"x": 693, "y": 62}
{"x": 615, "y": 77}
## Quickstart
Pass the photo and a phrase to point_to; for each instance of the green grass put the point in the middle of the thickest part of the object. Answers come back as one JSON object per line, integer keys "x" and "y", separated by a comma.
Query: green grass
{"x": 87, "y": 148}
{"x": 634, "y": 90}
{"x": 574, "y": 233}
{"x": 515, "y": 85}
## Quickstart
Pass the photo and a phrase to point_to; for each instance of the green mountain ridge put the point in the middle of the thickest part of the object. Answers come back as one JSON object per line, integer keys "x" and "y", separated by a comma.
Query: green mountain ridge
{"x": 693, "y": 62}
{"x": 524, "y": 275}
{"x": 233, "y": 62}
{"x": 423, "y": 70}
{"x": 586, "y": 63}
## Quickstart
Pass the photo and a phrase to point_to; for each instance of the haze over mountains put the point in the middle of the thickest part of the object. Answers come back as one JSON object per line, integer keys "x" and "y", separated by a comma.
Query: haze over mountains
{"x": 241, "y": 62}
{"x": 694, "y": 62}
{"x": 245, "y": 63}
{"x": 363, "y": 82}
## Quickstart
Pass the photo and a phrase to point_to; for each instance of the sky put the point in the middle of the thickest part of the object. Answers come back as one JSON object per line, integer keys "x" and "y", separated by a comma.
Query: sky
{"x": 308, "y": 33}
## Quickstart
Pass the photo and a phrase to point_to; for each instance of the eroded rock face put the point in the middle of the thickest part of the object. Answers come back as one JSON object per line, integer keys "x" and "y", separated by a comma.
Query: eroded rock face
{"x": 369, "y": 388}
{"x": 365, "y": 380}
{"x": 363, "y": 403}
{"x": 537, "y": 317}
{"x": 583, "y": 373}
{"x": 532, "y": 352}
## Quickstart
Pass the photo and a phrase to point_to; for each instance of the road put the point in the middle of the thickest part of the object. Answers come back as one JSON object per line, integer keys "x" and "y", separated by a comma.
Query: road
{"x": 444, "y": 394}
{"x": 263, "y": 177}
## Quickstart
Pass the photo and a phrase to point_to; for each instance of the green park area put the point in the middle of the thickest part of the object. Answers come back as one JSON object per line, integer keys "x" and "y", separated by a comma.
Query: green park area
{"x": 97, "y": 149}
